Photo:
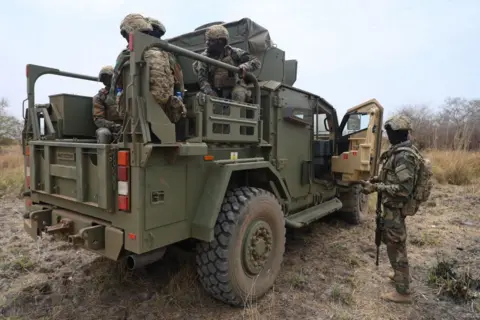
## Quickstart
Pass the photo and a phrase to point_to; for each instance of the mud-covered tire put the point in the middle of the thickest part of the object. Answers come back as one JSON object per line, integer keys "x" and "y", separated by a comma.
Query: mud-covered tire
{"x": 230, "y": 266}
{"x": 355, "y": 205}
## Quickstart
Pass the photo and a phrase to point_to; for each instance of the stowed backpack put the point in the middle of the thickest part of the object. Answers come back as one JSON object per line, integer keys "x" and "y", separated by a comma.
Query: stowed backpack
{"x": 423, "y": 181}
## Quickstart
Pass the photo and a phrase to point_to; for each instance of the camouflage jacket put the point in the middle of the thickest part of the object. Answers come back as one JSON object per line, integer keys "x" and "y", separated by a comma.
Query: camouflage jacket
{"x": 104, "y": 115}
{"x": 124, "y": 56}
{"x": 397, "y": 176}
{"x": 239, "y": 57}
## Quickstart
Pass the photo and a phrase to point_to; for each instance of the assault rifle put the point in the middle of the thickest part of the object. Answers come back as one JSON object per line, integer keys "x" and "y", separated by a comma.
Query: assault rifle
{"x": 379, "y": 223}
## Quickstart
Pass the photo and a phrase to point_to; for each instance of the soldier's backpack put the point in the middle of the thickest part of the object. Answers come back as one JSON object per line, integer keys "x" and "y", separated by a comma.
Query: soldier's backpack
{"x": 423, "y": 181}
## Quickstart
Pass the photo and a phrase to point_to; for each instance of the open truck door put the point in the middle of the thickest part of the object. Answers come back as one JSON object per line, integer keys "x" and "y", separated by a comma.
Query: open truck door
{"x": 359, "y": 139}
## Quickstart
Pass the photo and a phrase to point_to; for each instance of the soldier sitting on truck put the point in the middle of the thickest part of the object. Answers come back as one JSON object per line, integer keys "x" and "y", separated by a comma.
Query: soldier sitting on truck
{"x": 123, "y": 57}
{"x": 165, "y": 72}
{"x": 176, "y": 110}
{"x": 216, "y": 81}
{"x": 104, "y": 115}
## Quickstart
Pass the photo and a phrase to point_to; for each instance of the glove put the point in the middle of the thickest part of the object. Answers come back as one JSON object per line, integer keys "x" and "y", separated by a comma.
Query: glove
{"x": 374, "y": 179}
{"x": 368, "y": 187}
{"x": 243, "y": 71}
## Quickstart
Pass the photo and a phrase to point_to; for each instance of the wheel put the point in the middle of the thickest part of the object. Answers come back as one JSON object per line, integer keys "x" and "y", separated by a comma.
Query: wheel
{"x": 355, "y": 205}
{"x": 242, "y": 262}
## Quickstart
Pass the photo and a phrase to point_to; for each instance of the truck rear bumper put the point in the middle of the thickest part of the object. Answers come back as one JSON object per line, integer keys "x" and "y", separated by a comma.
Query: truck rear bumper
{"x": 82, "y": 231}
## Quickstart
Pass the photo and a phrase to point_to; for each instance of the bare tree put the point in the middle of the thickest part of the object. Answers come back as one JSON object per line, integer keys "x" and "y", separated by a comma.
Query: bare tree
{"x": 10, "y": 127}
{"x": 455, "y": 126}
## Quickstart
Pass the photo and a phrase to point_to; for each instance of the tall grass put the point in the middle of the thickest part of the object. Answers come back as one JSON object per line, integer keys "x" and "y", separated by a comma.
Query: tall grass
{"x": 11, "y": 169}
{"x": 455, "y": 167}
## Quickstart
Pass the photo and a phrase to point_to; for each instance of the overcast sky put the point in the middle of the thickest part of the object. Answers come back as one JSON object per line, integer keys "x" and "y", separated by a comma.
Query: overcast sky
{"x": 398, "y": 51}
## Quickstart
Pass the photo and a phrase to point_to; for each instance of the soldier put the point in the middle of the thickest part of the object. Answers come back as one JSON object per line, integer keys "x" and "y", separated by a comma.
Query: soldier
{"x": 105, "y": 116}
{"x": 130, "y": 23}
{"x": 162, "y": 78}
{"x": 213, "y": 80}
{"x": 396, "y": 182}
{"x": 177, "y": 109}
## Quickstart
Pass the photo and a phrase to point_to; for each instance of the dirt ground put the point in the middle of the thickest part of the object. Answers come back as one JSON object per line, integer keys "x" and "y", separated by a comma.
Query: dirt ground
{"x": 328, "y": 273}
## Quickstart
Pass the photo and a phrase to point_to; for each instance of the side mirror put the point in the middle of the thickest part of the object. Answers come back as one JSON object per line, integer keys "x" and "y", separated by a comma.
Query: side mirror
{"x": 354, "y": 122}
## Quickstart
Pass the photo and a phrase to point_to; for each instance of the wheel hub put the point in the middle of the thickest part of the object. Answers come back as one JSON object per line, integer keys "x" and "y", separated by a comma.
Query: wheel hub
{"x": 257, "y": 246}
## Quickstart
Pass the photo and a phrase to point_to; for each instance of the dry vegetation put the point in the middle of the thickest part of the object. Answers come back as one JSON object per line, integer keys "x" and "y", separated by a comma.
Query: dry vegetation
{"x": 455, "y": 167}
{"x": 11, "y": 169}
{"x": 328, "y": 271}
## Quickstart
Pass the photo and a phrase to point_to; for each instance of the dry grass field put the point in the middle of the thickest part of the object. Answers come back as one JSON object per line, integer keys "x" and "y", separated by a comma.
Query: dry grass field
{"x": 328, "y": 273}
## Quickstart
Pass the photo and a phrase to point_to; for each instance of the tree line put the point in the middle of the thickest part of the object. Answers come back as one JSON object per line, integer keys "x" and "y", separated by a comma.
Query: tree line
{"x": 455, "y": 125}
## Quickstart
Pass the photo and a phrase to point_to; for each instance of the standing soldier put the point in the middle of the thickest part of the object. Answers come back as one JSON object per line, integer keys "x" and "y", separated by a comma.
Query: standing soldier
{"x": 214, "y": 81}
{"x": 104, "y": 115}
{"x": 396, "y": 184}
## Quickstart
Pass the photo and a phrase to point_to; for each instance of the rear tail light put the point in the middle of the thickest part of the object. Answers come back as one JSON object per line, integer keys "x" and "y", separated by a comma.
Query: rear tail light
{"x": 123, "y": 203}
{"x": 123, "y": 180}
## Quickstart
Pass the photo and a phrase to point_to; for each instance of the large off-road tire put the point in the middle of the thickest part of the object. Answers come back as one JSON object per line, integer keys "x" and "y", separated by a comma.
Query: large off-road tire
{"x": 355, "y": 205}
{"x": 242, "y": 262}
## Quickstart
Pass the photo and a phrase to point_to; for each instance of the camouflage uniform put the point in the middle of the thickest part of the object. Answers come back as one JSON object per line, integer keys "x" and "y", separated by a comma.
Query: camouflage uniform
{"x": 166, "y": 76}
{"x": 165, "y": 72}
{"x": 104, "y": 115}
{"x": 218, "y": 78}
{"x": 132, "y": 22}
{"x": 397, "y": 180}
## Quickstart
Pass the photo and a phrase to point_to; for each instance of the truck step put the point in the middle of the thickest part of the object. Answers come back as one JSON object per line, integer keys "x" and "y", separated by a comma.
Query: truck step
{"x": 307, "y": 216}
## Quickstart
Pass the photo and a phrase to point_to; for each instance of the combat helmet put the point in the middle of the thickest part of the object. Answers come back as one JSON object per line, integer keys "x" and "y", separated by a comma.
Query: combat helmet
{"x": 216, "y": 32}
{"x": 106, "y": 70}
{"x": 134, "y": 22}
{"x": 156, "y": 24}
{"x": 399, "y": 122}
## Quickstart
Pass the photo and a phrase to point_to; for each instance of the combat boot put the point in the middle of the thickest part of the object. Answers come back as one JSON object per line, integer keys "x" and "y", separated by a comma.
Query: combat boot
{"x": 391, "y": 276}
{"x": 397, "y": 297}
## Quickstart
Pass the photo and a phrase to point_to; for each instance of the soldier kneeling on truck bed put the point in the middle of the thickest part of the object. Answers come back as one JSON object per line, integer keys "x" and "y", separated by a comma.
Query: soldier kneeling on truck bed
{"x": 164, "y": 71}
{"x": 105, "y": 116}
{"x": 216, "y": 81}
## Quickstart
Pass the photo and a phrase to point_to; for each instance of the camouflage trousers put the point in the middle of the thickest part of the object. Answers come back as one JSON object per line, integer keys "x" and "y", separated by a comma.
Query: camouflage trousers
{"x": 395, "y": 237}
{"x": 238, "y": 93}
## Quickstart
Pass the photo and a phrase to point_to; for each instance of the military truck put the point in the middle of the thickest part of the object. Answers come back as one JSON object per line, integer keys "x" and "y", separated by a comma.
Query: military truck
{"x": 240, "y": 174}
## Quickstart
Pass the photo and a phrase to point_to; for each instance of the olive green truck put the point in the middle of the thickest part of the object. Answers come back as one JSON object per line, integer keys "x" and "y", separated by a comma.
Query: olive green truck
{"x": 237, "y": 177}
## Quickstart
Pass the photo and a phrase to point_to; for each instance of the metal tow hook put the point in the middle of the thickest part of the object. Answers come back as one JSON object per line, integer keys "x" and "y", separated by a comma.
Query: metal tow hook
{"x": 63, "y": 225}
